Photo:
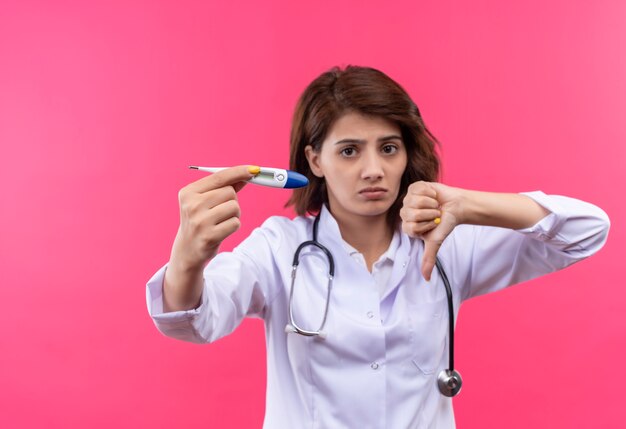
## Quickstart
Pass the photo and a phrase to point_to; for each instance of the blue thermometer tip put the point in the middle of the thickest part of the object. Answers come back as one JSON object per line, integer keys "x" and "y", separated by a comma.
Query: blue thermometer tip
{"x": 295, "y": 180}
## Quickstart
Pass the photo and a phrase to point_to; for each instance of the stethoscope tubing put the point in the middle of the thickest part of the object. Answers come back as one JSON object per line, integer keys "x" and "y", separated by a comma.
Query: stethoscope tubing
{"x": 449, "y": 380}
{"x": 446, "y": 284}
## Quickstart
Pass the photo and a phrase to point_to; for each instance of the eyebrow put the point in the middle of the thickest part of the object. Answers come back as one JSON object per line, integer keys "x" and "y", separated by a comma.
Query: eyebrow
{"x": 380, "y": 140}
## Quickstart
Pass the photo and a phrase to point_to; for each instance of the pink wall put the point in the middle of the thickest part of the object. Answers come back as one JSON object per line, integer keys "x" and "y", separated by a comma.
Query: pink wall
{"x": 102, "y": 107}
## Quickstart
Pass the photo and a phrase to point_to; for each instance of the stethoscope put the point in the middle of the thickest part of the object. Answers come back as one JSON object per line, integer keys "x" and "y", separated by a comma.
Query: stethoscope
{"x": 449, "y": 380}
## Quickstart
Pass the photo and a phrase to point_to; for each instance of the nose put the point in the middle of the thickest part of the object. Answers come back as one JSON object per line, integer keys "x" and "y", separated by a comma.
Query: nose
{"x": 372, "y": 168}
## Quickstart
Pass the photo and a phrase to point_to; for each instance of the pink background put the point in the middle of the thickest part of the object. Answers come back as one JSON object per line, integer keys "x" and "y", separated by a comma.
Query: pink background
{"x": 104, "y": 104}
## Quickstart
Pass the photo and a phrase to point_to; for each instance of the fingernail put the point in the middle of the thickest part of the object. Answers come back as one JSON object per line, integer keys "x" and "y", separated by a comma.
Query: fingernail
{"x": 254, "y": 169}
{"x": 437, "y": 220}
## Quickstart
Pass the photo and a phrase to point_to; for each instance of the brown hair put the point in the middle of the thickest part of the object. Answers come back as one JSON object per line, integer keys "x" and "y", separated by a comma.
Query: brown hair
{"x": 370, "y": 92}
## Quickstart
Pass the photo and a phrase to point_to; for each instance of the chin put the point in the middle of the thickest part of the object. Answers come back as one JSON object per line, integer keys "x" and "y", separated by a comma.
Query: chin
{"x": 375, "y": 208}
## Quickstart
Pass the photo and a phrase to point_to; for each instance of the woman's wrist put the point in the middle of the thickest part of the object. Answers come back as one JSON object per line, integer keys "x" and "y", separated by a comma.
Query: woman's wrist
{"x": 182, "y": 286}
{"x": 506, "y": 210}
{"x": 473, "y": 209}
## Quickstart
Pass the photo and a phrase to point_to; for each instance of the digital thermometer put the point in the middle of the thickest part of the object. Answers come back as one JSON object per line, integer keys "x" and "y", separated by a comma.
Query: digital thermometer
{"x": 267, "y": 176}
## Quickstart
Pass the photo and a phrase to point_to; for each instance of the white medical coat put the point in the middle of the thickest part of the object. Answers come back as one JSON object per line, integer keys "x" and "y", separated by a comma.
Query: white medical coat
{"x": 378, "y": 365}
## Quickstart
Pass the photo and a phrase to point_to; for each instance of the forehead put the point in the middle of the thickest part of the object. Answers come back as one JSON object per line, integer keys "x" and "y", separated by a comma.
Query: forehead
{"x": 355, "y": 125}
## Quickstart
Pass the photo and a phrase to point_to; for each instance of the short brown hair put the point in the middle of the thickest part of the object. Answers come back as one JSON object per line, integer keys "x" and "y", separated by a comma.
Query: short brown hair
{"x": 369, "y": 92}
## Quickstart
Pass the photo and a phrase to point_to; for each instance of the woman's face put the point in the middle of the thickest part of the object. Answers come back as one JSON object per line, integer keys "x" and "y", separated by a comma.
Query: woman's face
{"x": 362, "y": 159}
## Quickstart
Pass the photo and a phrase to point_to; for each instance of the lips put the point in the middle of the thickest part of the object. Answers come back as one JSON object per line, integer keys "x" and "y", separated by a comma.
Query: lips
{"x": 373, "y": 193}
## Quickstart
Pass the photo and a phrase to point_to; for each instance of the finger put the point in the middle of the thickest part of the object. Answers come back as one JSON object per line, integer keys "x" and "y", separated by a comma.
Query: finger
{"x": 415, "y": 229}
{"x": 223, "y": 212}
{"x": 419, "y": 215}
{"x": 226, "y": 228}
{"x": 213, "y": 226}
{"x": 191, "y": 203}
{"x": 227, "y": 177}
{"x": 214, "y": 198}
{"x": 420, "y": 201}
{"x": 422, "y": 188}
{"x": 430, "y": 257}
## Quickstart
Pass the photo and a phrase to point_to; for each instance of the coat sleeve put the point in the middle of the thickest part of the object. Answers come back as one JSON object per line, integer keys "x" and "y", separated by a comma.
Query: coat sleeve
{"x": 236, "y": 284}
{"x": 486, "y": 259}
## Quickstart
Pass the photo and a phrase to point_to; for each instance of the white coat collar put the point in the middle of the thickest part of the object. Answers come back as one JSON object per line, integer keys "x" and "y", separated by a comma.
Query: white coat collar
{"x": 390, "y": 253}
{"x": 329, "y": 235}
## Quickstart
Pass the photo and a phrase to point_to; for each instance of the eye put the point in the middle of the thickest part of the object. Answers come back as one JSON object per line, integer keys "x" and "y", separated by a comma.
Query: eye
{"x": 348, "y": 151}
{"x": 390, "y": 149}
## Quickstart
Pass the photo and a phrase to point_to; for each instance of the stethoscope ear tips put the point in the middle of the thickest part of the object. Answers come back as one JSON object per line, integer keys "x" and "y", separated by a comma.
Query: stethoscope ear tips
{"x": 449, "y": 382}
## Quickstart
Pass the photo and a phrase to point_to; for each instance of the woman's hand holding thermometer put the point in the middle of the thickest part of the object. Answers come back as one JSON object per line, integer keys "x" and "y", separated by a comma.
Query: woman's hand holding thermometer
{"x": 209, "y": 212}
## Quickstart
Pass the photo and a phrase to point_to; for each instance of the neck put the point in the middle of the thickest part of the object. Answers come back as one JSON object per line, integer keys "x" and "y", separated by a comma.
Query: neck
{"x": 369, "y": 235}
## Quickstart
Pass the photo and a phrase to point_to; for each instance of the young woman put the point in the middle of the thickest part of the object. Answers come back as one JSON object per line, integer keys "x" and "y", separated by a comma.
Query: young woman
{"x": 381, "y": 221}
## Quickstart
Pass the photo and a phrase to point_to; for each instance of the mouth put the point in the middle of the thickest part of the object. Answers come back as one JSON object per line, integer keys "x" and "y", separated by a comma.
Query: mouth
{"x": 373, "y": 193}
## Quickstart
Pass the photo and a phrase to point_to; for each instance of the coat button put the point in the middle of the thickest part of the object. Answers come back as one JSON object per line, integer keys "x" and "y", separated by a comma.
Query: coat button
{"x": 374, "y": 366}
{"x": 370, "y": 314}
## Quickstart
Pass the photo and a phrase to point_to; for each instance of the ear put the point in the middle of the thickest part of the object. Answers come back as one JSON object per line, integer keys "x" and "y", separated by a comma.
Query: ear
{"x": 314, "y": 161}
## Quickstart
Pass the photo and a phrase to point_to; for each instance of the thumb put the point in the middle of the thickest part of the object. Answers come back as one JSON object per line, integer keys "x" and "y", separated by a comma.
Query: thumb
{"x": 430, "y": 256}
{"x": 231, "y": 176}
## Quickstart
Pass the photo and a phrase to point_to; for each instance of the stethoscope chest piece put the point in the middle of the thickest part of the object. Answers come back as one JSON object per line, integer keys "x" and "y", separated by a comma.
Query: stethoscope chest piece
{"x": 449, "y": 382}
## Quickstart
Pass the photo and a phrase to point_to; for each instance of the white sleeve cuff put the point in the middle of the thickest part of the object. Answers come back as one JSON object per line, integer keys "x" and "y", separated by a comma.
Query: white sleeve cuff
{"x": 547, "y": 228}
{"x": 154, "y": 298}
